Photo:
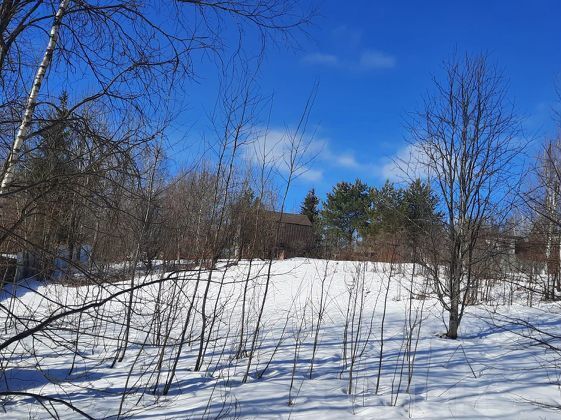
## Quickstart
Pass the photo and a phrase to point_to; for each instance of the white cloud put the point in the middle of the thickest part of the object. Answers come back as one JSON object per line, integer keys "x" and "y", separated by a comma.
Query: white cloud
{"x": 312, "y": 175}
{"x": 321, "y": 59}
{"x": 273, "y": 147}
{"x": 347, "y": 161}
{"x": 374, "y": 60}
{"x": 407, "y": 164}
{"x": 318, "y": 158}
{"x": 366, "y": 60}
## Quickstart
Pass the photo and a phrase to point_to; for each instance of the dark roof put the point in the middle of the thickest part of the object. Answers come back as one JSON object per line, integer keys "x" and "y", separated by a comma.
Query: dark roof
{"x": 290, "y": 218}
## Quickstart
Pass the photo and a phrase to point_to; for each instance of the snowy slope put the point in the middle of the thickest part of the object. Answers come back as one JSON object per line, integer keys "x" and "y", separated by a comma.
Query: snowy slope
{"x": 492, "y": 371}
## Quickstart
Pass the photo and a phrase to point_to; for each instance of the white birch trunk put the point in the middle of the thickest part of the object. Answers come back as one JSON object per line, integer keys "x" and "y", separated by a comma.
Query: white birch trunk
{"x": 551, "y": 206}
{"x": 32, "y": 99}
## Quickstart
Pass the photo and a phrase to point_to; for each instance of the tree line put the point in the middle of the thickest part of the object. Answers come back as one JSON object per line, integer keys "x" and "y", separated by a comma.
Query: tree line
{"x": 357, "y": 215}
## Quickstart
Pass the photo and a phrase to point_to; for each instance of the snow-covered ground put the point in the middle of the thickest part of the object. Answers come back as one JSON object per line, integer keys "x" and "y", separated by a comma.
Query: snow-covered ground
{"x": 492, "y": 371}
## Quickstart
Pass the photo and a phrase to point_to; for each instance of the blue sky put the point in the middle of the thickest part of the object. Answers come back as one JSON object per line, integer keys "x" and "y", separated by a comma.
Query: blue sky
{"x": 374, "y": 61}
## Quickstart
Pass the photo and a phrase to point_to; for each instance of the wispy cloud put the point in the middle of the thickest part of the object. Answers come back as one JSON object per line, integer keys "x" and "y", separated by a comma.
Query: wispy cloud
{"x": 312, "y": 175}
{"x": 347, "y": 160}
{"x": 374, "y": 60}
{"x": 321, "y": 156}
{"x": 365, "y": 60}
{"x": 321, "y": 59}
{"x": 274, "y": 146}
{"x": 347, "y": 51}
{"x": 406, "y": 164}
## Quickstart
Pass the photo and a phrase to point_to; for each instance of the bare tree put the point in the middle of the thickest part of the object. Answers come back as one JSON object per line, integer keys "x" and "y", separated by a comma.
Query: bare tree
{"x": 466, "y": 140}
{"x": 75, "y": 175}
{"x": 295, "y": 163}
{"x": 543, "y": 201}
{"x": 132, "y": 60}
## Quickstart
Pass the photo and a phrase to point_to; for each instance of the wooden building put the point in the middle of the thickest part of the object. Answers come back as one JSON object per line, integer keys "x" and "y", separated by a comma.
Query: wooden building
{"x": 288, "y": 234}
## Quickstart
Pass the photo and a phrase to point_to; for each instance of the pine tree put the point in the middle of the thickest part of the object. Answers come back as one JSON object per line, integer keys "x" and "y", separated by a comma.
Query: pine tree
{"x": 49, "y": 167}
{"x": 386, "y": 212}
{"x": 420, "y": 209}
{"x": 420, "y": 213}
{"x": 345, "y": 213}
{"x": 310, "y": 207}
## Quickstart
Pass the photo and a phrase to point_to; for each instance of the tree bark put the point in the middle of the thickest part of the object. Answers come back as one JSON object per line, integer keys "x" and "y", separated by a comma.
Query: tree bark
{"x": 32, "y": 99}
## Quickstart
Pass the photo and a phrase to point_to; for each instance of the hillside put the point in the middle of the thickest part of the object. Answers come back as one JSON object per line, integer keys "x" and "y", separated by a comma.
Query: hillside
{"x": 495, "y": 369}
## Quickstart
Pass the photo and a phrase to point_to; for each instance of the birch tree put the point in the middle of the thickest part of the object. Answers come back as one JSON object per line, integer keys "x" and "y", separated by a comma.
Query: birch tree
{"x": 33, "y": 95}
{"x": 119, "y": 54}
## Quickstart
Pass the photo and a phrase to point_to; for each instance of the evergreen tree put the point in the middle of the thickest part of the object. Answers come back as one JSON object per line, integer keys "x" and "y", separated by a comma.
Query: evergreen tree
{"x": 49, "y": 167}
{"x": 310, "y": 207}
{"x": 386, "y": 212}
{"x": 420, "y": 212}
{"x": 51, "y": 158}
{"x": 345, "y": 212}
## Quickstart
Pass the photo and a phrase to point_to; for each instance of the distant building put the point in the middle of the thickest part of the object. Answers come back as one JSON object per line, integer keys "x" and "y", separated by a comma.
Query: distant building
{"x": 288, "y": 235}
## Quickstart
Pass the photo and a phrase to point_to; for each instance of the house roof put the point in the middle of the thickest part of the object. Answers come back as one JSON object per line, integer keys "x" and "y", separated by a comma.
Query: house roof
{"x": 290, "y": 218}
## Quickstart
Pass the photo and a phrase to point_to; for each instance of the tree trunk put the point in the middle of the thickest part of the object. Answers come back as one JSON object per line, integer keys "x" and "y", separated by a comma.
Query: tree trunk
{"x": 454, "y": 320}
{"x": 32, "y": 99}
